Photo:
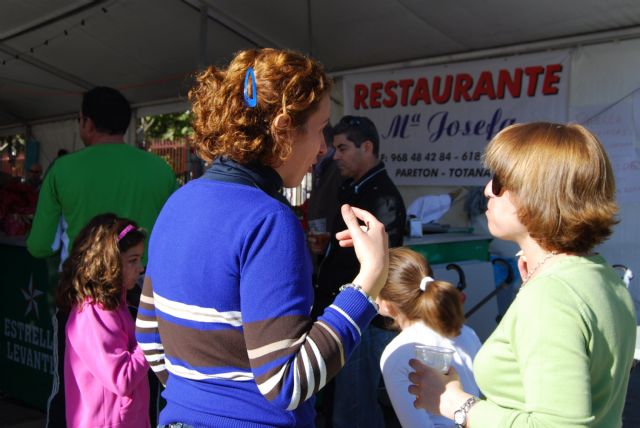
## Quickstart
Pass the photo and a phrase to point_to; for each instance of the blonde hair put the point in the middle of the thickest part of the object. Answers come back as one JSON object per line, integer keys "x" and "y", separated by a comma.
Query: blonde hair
{"x": 93, "y": 269}
{"x": 286, "y": 83}
{"x": 439, "y": 306}
{"x": 561, "y": 182}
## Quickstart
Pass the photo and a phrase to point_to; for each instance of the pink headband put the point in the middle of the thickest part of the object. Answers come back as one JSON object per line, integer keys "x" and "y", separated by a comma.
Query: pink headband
{"x": 124, "y": 232}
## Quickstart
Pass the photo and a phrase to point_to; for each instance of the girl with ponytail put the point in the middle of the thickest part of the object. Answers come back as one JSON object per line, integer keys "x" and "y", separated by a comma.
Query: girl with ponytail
{"x": 428, "y": 312}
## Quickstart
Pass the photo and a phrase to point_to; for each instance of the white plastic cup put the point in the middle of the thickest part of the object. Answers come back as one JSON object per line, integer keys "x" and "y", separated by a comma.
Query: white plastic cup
{"x": 435, "y": 357}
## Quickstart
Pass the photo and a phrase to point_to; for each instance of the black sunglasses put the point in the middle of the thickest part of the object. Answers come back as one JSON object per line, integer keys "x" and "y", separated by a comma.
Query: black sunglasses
{"x": 351, "y": 120}
{"x": 496, "y": 185}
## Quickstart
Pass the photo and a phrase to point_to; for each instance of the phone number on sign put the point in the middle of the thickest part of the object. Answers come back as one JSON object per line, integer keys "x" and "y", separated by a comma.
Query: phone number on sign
{"x": 431, "y": 157}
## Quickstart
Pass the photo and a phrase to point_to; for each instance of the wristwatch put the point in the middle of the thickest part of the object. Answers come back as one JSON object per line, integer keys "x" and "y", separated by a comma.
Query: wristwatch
{"x": 361, "y": 290}
{"x": 460, "y": 415}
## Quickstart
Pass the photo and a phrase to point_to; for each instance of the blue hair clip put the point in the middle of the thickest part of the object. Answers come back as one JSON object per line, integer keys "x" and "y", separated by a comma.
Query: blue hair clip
{"x": 253, "y": 99}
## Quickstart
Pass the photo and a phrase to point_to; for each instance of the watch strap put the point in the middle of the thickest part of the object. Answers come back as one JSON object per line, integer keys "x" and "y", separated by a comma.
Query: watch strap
{"x": 364, "y": 293}
{"x": 463, "y": 412}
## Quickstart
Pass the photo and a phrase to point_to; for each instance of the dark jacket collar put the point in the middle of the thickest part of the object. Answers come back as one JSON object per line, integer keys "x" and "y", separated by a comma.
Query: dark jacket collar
{"x": 356, "y": 185}
{"x": 263, "y": 177}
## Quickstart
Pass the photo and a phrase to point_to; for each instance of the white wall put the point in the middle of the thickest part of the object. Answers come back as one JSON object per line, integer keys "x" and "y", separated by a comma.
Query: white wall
{"x": 54, "y": 136}
{"x": 602, "y": 75}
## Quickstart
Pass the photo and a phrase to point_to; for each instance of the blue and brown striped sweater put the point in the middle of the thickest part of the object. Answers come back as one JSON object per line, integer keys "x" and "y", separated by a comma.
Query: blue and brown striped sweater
{"x": 224, "y": 316}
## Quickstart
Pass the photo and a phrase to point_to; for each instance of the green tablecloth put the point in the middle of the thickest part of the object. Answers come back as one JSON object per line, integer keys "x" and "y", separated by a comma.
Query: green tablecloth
{"x": 26, "y": 305}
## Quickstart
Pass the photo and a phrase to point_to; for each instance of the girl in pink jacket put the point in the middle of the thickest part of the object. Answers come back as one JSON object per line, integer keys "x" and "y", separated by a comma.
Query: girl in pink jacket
{"x": 105, "y": 372}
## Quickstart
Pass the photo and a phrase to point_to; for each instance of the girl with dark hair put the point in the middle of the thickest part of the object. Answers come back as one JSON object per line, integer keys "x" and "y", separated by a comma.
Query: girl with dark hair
{"x": 105, "y": 372}
{"x": 428, "y": 312}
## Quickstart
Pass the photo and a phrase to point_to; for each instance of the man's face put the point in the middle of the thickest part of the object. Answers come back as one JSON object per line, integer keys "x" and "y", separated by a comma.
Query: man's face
{"x": 349, "y": 158}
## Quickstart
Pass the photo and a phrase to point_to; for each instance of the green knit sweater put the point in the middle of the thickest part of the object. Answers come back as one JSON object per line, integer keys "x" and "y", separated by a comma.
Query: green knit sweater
{"x": 562, "y": 354}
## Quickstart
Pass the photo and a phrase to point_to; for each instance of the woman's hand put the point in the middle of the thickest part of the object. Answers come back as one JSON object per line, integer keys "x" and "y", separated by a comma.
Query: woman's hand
{"x": 370, "y": 243}
{"x": 439, "y": 394}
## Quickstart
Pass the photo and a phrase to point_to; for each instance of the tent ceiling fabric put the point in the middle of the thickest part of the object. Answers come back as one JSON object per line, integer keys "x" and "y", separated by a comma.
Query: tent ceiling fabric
{"x": 149, "y": 48}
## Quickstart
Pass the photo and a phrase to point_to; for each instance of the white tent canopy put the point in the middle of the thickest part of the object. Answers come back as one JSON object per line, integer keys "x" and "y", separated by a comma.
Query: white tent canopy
{"x": 53, "y": 50}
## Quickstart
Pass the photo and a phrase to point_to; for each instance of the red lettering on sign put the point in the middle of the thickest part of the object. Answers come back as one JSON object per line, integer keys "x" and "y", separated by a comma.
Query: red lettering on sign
{"x": 533, "y": 81}
{"x": 464, "y": 82}
{"x": 513, "y": 84}
{"x": 551, "y": 78}
{"x": 374, "y": 98}
{"x": 484, "y": 87}
{"x": 405, "y": 84}
{"x": 421, "y": 92}
{"x": 360, "y": 99}
{"x": 533, "y": 73}
{"x": 392, "y": 98}
{"x": 444, "y": 96}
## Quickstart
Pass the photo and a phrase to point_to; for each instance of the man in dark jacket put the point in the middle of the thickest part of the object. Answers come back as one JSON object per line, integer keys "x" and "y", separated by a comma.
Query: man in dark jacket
{"x": 368, "y": 187}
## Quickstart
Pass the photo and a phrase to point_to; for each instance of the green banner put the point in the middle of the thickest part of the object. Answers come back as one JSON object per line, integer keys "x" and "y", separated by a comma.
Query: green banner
{"x": 26, "y": 342}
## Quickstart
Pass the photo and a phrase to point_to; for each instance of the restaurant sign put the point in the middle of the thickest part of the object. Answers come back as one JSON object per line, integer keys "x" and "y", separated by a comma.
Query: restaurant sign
{"x": 434, "y": 122}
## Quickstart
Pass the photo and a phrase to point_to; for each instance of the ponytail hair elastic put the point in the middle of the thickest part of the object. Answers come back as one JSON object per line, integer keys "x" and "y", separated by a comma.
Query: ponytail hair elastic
{"x": 124, "y": 231}
{"x": 424, "y": 282}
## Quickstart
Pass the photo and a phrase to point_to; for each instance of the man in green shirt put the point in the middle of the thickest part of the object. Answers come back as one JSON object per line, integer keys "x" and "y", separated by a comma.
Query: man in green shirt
{"x": 106, "y": 176}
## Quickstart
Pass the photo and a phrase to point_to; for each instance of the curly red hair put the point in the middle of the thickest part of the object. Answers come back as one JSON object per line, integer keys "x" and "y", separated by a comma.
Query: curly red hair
{"x": 287, "y": 83}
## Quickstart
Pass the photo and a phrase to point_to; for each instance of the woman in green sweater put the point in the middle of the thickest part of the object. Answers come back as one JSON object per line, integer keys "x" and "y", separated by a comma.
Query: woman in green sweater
{"x": 561, "y": 355}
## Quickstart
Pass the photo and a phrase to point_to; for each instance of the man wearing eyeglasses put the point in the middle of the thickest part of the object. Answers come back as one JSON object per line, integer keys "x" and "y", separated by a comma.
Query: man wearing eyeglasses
{"x": 369, "y": 187}
{"x": 106, "y": 176}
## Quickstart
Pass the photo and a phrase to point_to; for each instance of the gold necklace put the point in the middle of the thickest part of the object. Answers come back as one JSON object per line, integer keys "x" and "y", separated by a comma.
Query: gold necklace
{"x": 536, "y": 267}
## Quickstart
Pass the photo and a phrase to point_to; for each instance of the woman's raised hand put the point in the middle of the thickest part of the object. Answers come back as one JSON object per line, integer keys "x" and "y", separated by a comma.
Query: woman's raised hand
{"x": 370, "y": 243}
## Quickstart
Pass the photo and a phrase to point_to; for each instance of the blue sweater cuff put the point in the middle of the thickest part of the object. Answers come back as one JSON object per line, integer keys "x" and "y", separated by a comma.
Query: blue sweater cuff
{"x": 357, "y": 306}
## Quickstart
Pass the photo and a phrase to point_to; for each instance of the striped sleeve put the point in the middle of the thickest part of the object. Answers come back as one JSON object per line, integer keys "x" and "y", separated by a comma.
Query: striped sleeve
{"x": 147, "y": 333}
{"x": 292, "y": 357}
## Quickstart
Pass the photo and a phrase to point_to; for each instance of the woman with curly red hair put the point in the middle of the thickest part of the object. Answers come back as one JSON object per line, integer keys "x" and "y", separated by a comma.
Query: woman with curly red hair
{"x": 225, "y": 313}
